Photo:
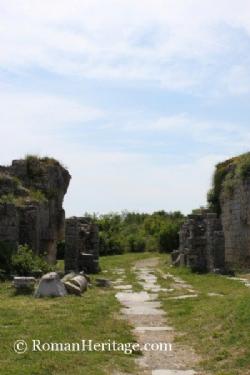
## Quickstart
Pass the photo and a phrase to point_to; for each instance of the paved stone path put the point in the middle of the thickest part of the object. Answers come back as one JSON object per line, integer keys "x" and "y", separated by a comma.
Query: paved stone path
{"x": 243, "y": 280}
{"x": 143, "y": 311}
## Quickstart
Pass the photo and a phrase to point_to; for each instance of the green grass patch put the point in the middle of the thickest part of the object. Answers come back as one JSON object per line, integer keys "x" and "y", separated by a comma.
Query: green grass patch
{"x": 125, "y": 261}
{"x": 218, "y": 327}
{"x": 94, "y": 316}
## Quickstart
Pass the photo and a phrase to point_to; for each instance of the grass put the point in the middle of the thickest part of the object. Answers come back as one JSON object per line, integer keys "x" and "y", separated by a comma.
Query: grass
{"x": 69, "y": 319}
{"x": 125, "y": 261}
{"x": 217, "y": 327}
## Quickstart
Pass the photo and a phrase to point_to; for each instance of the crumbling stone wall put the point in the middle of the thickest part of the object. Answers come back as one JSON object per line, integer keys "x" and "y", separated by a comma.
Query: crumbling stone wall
{"x": 229, "y": 199}
{"x": 235, "y": 217}
{"x": 201, "y": 243}
{"x": 81, "y": 245}
{"x": 31, "y": 199}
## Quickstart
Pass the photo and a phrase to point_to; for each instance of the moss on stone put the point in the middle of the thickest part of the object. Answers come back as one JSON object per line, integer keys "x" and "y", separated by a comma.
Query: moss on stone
{"x": 34, "y": 196}
{"x": 227, "y": 175}
{"x": 41, "y": 162}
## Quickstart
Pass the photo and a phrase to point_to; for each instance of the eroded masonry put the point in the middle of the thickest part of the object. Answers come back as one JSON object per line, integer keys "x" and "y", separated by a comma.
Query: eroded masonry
{"x": 218, "y": 239}
{"x": 31, "y": 198}
{"x": 81, "y": 245}
{"x": 31, "y": 212}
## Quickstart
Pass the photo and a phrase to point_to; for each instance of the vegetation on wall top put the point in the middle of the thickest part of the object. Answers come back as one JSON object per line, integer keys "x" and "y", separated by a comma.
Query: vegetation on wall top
{"x": 227, "y": 176}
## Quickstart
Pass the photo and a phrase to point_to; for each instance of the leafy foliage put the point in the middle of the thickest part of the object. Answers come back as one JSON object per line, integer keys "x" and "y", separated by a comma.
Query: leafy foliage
{"x": 227, "y": 175}
{"x": 38, "y": 196}
{"x": 24, "y": 262}
{"x": 138, "y": 232}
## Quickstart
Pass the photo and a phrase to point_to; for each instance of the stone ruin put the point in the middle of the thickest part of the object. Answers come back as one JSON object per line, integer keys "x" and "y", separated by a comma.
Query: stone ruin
{"x": 31, "y": 197}
{"x": 201, "y": 243}
{"x": 235, "y": 218}
{"x": 219, "y": 238}
{"x": 81, "y": 245}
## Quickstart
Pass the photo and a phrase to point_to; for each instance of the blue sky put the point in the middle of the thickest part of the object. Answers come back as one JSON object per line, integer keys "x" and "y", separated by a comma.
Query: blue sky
{"x": 139, "y": 99}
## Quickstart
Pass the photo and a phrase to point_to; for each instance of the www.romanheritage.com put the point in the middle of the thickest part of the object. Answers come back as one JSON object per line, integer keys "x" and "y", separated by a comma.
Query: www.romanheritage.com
{"x": 21, "y": 346}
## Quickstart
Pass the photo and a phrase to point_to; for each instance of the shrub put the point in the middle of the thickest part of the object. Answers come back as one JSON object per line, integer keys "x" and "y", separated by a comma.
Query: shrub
{"x": 227, "y": 175}
{"x": 25, "y": 262}
{"x": 8, "y": 198}
{"x": 137, "y": 244}
{"x": 137, "y": 232}
{"x": 243, "y": 166}
{"x": 151, "y": 243}
{"x": 169, "y": 238}
{"x": 38, "y": 196}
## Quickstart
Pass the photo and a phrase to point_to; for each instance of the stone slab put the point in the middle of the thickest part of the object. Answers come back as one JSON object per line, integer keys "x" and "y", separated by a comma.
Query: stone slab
{"x": 184, "y": 297}
{"x": 173, "y": 372}
{"x": 153, "y": 329}
{"x": 135, "y": 297}
{"x": 142, "y": 310}
{"x": 123, "y": 287}
{"x": 215, "y": 295}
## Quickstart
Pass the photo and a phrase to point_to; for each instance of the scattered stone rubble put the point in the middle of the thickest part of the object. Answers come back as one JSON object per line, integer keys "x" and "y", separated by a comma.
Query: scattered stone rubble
{"x": 24, "y": 283}
{"x": 77, "y": 285}
{"x": 103, "y": 283}
{"x": 50, "y": 285}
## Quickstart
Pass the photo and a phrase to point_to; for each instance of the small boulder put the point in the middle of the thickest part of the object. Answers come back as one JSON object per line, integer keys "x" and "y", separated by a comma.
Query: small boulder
{"x": 76, "y": 285}
{"x": 24, "y": 283}
{"x": 50, "y": 285}
{"x": 103, "y": 283}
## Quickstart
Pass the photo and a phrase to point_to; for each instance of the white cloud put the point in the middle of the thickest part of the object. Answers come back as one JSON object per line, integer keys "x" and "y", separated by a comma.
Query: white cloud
{"x": 42, "y": 110}
{"x": 34, "y": 123}
{"x": 137, "y": 183}
{"x": 237, "y": 80}
{"x": 221, "y": 134}
{"x": 105, "y": 180}
{"x": 170, "y": 43}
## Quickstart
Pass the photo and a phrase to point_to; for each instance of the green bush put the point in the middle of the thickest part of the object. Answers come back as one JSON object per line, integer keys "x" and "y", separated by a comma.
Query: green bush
{"x": 137, "y": 244}
{"x": 24, "y": 262}
{"x": 226, "y": 177}
{"x": 138, "y": 232}
{"x": 168, "y": 238}
{"x": 37, "y": 196}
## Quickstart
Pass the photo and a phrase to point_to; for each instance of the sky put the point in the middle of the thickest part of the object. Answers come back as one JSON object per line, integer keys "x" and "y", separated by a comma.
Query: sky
{"x": 138, "y": 99}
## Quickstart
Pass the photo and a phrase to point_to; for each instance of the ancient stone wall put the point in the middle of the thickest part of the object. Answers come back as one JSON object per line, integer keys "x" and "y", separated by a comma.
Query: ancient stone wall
{"x": 31, "y": 198}
{"x": 235, "y": 216}
{"x": 9, "y": 224}
{"x": 201, "y": 243}
{"x": 81, "y": 245}
{"x": 229, "y": 199}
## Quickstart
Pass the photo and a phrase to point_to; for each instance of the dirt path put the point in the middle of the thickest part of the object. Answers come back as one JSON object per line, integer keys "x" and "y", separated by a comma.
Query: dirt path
{"x": 143, "y": 311}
